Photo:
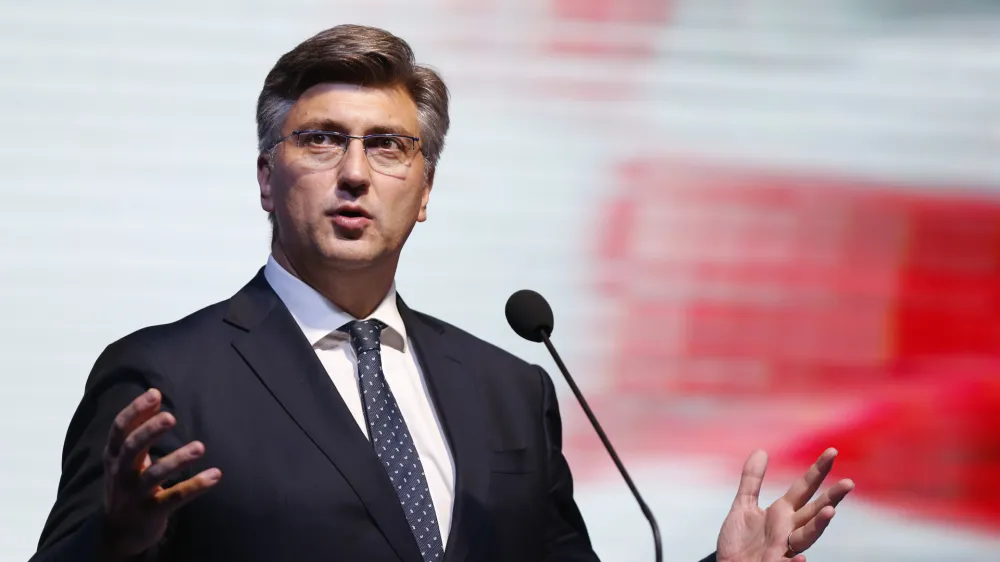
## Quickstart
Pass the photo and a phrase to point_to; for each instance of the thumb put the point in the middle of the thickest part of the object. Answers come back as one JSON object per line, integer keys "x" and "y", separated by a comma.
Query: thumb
{"x": 750, "y": 481}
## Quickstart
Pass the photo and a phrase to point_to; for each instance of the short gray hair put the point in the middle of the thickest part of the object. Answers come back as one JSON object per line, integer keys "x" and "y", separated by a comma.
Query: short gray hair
{"x": 354, "y": 54}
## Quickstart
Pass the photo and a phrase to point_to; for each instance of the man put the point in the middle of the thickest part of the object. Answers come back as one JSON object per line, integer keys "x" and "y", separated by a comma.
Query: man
{"x": 313, "y": 415}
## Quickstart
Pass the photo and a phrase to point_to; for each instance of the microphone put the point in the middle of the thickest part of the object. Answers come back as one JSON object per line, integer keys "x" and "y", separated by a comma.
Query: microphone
{"x": 530, "y": 315}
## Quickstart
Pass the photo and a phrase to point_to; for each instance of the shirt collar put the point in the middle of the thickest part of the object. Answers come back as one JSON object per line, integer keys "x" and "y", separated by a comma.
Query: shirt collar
{"x": 319, "y": 318}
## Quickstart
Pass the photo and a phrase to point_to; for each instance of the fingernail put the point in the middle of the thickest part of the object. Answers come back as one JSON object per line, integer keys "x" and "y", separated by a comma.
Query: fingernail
{"x": 150, "y": 396}
{"x": 214, "y": 475}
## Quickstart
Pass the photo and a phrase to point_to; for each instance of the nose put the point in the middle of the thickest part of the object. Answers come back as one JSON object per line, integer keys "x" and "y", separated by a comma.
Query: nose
{"x": 355, "y": 173}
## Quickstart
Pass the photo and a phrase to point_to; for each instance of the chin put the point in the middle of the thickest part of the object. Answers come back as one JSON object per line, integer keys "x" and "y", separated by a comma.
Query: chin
{"x": 348, "y": 255}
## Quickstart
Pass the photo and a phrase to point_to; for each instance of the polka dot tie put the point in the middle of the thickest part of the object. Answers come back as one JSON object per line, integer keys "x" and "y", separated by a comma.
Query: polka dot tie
{"x": 392, "y": 440}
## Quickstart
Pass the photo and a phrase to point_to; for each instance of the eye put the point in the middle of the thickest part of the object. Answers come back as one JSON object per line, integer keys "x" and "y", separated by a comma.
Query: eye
{"x": 319, "y": 139}
{"x": 386, "y": 144}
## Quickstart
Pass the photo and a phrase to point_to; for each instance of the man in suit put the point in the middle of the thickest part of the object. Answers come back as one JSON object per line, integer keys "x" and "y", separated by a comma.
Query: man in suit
{"x": 314, "y": 415}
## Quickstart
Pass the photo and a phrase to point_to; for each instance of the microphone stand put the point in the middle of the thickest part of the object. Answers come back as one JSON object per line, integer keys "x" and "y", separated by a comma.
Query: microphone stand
{"x": 607, "y": 445}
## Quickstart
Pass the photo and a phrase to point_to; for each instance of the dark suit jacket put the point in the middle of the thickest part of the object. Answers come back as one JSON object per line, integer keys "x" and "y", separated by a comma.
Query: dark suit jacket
{"x": 300, "y": 481}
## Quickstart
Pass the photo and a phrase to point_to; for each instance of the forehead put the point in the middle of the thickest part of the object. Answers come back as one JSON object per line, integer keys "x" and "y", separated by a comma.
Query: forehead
{"x": 357, "y": 108}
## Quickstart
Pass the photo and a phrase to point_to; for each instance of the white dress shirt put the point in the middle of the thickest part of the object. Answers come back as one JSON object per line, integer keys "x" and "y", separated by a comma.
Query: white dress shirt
{"x": 320, "y": 320}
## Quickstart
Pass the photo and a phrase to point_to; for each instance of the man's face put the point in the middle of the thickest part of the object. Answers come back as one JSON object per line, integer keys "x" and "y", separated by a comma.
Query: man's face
{"x": 317, "y": 206}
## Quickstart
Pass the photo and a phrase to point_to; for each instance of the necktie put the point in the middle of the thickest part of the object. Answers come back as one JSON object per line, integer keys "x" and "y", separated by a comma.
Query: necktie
{"x": 391, "y": 439}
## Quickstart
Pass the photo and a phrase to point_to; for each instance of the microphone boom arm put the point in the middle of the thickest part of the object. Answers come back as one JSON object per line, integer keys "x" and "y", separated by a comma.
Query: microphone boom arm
{"x": 607, "y": 445}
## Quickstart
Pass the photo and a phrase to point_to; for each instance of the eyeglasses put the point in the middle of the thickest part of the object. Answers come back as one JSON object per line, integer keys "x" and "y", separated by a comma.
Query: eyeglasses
{"x": 389, "y": 154}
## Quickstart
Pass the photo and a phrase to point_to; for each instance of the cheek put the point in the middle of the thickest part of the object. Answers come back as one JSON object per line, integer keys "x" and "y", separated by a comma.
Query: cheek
{"x": 405, "y": 207}
{"x": 306, "y": 198}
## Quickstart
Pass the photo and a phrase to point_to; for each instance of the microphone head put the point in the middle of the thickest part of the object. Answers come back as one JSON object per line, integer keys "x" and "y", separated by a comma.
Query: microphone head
{"x": 529, "y": 314}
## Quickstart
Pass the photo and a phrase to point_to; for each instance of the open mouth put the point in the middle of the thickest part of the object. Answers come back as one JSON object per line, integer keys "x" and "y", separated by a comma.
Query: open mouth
{"x": 352, "y": 213}
{"x": 351, "y": 221}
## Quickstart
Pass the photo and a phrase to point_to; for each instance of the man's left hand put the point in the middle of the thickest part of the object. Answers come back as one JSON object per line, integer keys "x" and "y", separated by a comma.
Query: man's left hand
{"x": 790, "y": 525}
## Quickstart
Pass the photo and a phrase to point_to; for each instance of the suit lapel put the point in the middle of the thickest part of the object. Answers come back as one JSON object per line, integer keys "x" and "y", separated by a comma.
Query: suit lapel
{"x": 277, "y": 351}
{"x": 457, "y": 399}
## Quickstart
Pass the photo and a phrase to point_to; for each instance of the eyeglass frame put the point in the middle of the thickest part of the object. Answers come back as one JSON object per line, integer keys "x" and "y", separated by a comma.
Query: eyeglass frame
{"x": 349, "y": 138}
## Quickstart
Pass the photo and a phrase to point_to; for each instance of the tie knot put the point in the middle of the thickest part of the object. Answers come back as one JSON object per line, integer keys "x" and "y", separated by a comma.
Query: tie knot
{"x": 365, "y": 334}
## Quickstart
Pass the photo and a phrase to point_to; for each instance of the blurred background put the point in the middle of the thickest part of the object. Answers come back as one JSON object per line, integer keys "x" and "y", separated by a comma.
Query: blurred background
{"x": 761, "y": 223}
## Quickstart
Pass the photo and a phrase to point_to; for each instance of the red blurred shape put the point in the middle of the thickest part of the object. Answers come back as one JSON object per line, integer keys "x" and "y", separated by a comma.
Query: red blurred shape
{"x": 634, "y": 11}
{"x": 950, "y": 282}
{"x": 762, "y": 309}
{"x": 748, "y": 281}
{"x": 593, "y": 50}
{"x": 931, "y": 448}
{"x": 650, "y": 14}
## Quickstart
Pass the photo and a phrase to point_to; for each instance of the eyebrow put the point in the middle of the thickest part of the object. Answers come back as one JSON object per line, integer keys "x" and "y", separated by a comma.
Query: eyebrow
{"x": 337, "y": 127}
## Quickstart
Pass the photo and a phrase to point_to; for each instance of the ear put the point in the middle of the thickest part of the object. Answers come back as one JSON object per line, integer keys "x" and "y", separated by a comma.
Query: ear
{"x": 264, "y": 173}
{"x": 426, "y": 196}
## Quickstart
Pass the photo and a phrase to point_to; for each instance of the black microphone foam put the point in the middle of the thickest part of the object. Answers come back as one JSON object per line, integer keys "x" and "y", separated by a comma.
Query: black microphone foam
{"x": 529, "y": 315}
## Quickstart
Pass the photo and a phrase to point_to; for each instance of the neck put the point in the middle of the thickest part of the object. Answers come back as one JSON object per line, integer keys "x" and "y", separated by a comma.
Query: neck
{"x": 357, "y": 292}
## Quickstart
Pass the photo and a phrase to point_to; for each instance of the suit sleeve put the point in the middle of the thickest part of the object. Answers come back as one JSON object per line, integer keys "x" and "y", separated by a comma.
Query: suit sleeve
{"x": 74, "y": 528}
{"x": 566, "y": 538}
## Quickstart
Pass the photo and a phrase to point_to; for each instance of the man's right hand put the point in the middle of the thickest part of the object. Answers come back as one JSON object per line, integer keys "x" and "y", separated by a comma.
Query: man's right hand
{"x": 136, "y": 506}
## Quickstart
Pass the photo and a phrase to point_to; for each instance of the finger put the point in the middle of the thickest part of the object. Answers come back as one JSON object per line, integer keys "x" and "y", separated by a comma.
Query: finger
{"x": 184, "y": 492}
{"x": 833, "y": 496}
{"x": 805, "y": 487}
{"x": 798, "y": 558}
{"x": 171, "y": 464}
{"x": 750, "y": 481}
{"x": 137, "y": 412}
{"x": 137, "y": 444}
{"x": 807, "y": 535}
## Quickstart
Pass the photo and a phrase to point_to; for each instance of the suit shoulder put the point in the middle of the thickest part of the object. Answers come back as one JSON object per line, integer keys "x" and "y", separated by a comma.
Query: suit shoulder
{"x": 479, "y": 347}
{"x": 177, "y": 337}
{"x": 508, "y": 383}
